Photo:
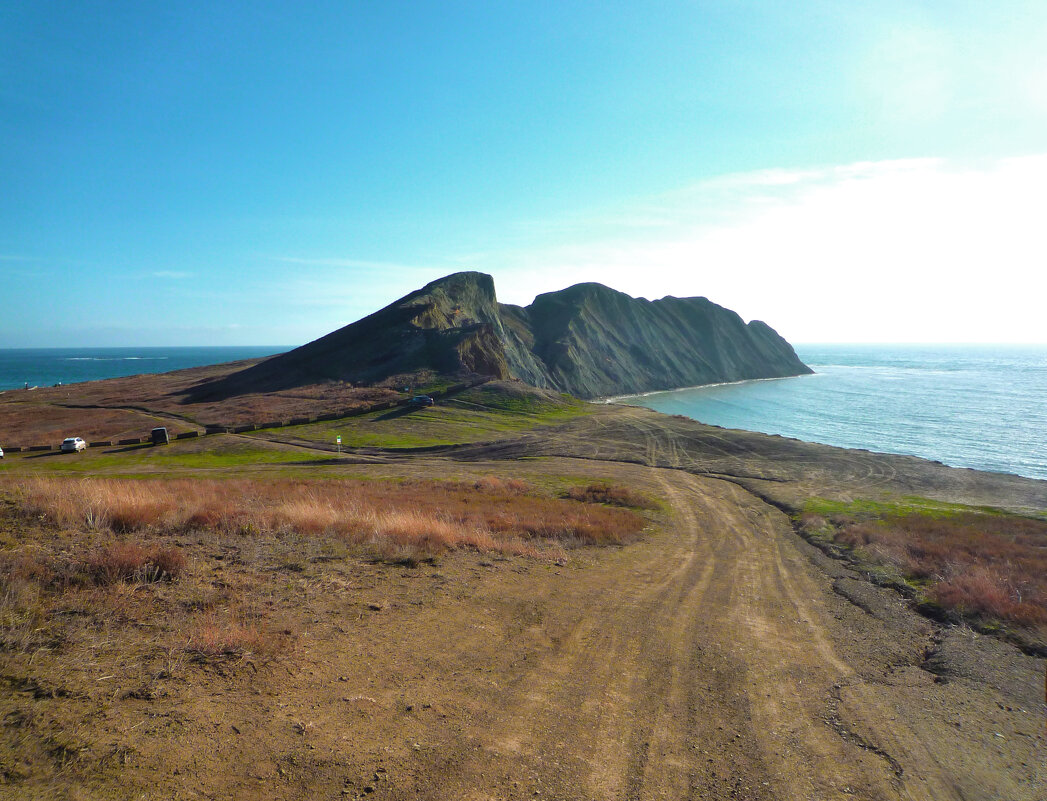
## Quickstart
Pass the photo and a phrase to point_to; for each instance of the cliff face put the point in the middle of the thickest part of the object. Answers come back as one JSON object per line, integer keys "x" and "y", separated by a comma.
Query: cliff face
{"x": 588, "y": 340}
{"x": 595, "y": 341}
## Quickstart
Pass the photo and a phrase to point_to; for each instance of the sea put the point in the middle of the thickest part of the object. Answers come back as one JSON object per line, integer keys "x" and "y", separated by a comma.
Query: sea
{"x": 980, "y": 406}
{"x": 45, "y": 367}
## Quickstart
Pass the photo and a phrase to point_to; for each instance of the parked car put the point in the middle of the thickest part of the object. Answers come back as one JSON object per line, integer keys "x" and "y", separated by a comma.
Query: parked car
{"x": 73, "y": 445}
{"x": 421, "y": 400}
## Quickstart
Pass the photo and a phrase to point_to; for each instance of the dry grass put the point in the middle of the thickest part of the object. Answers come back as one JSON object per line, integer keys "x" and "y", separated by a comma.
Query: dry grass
{"x": 218, "y": 636}
{"x": 491, "y": 514}
{"x": 990, "y": 568}
{"x": 507, "y": 486}
{"x": 131, "y": 561}
{"x": 23, "y": 612}
{"x": 612, "y": 495}
{"x": 44, "y": 415}
{"x": 36, "y": 585}
{"x": 118, "y": 594}
{"x": 190, "y": 568}
{"x": 115, "y": 562}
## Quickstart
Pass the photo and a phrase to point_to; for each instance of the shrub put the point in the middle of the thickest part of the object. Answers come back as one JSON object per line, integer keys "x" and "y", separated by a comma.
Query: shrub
{"x": 216, "y": 637}
{"x": 813, "y": 522}
{"x": 129, "y": 561}
{"x": 612, "y": 495}
{"x": 989, "y": 567}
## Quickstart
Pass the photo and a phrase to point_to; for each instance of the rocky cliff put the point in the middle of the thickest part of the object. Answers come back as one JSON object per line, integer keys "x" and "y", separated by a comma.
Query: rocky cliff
{"x": 588, "y": 340}
{"x": 594, "y": 341}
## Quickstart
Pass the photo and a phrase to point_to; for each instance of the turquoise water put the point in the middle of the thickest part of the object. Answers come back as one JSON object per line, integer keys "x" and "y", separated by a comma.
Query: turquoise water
{"x": 967, "y": 406}
{"x": 45, "y": 367}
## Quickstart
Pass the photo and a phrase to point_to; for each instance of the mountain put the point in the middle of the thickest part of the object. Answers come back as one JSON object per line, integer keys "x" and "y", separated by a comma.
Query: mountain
{"x": 588, "y": 340}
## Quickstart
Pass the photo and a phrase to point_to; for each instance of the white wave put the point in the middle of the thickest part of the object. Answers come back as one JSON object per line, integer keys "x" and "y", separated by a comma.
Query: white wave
{"x": 115, "y": 358}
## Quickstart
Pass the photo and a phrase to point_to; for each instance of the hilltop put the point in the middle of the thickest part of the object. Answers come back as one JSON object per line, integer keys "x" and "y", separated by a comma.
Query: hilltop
{"x": 587, "y": 340}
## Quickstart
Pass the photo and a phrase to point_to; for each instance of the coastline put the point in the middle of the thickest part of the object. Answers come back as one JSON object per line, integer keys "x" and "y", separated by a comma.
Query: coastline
{"x": 619, "y": 398}
{"x": 979, "y": 409}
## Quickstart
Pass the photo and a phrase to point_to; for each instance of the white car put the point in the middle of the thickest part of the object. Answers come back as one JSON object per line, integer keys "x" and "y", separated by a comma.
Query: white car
{"x": 73, "y": 444}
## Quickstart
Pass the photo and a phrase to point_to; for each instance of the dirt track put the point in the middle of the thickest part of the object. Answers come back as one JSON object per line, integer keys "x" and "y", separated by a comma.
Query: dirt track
{"x": 720, "y": 658}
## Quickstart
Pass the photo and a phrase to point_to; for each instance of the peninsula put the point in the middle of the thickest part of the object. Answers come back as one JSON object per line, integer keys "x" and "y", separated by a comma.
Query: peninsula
{"x": 587, "y": 340}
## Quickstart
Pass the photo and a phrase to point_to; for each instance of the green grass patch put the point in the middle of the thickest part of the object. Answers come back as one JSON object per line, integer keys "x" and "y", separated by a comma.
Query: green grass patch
{"x": 477, "y": 415}
{"x": 866, "y": 508}
{"x": 202, "y": 453}
{"x": 554, "y": 407}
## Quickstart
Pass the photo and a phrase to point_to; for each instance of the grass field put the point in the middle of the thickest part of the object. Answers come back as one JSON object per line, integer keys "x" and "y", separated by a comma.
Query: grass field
{"x": 79, "y": 555}
{"x": 975, "y": 563}
{"x": 477, "y": 415}
{"x": 207, "y": 453}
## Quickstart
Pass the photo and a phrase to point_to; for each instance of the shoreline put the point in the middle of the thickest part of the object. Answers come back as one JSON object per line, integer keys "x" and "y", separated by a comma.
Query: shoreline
{"x": 618, "y": 398}
{"x": 885, "y": 425}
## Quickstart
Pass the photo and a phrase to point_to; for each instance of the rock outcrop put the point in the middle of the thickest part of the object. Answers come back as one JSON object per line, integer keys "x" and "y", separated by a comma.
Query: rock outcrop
{"x": 588, "y": 340}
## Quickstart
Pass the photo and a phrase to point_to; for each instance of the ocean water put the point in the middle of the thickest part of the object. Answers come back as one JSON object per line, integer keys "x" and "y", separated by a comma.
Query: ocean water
{"x": 45, "y": 367}
{"x": 968, "y": 406}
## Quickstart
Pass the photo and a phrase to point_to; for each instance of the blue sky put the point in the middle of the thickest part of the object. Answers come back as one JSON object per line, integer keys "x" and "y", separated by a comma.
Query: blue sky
{"x": 263, "y": 173}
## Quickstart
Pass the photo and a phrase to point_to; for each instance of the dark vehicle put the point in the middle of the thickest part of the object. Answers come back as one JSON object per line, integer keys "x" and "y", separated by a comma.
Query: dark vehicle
{"x": 421, "y": 400}
{"x": 159, "y": 436}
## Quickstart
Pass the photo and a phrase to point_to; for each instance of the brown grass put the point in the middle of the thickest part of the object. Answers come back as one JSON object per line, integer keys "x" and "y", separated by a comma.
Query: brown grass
{"x": 109, "y": 564}
{"x": 23, "y": 611}
{"x": 612, "y": 495}
{"x": 98, "y": 561}
{"x": 984, "y": 567}
{"x": 46, "y": 415}
{"x": 131, "y": 561}
{"x": 224, "y": 636}
{"x": 491, "y": 514}
{"x": 508, "y": 486}
{"x": 112, "y": 553}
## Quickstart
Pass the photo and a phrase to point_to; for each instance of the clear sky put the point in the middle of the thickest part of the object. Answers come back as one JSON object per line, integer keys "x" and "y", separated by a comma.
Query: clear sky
{"x": 195, "y": 173}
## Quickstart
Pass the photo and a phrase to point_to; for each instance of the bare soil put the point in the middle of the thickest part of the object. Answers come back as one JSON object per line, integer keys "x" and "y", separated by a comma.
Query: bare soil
{"x": 721, "y": 657}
